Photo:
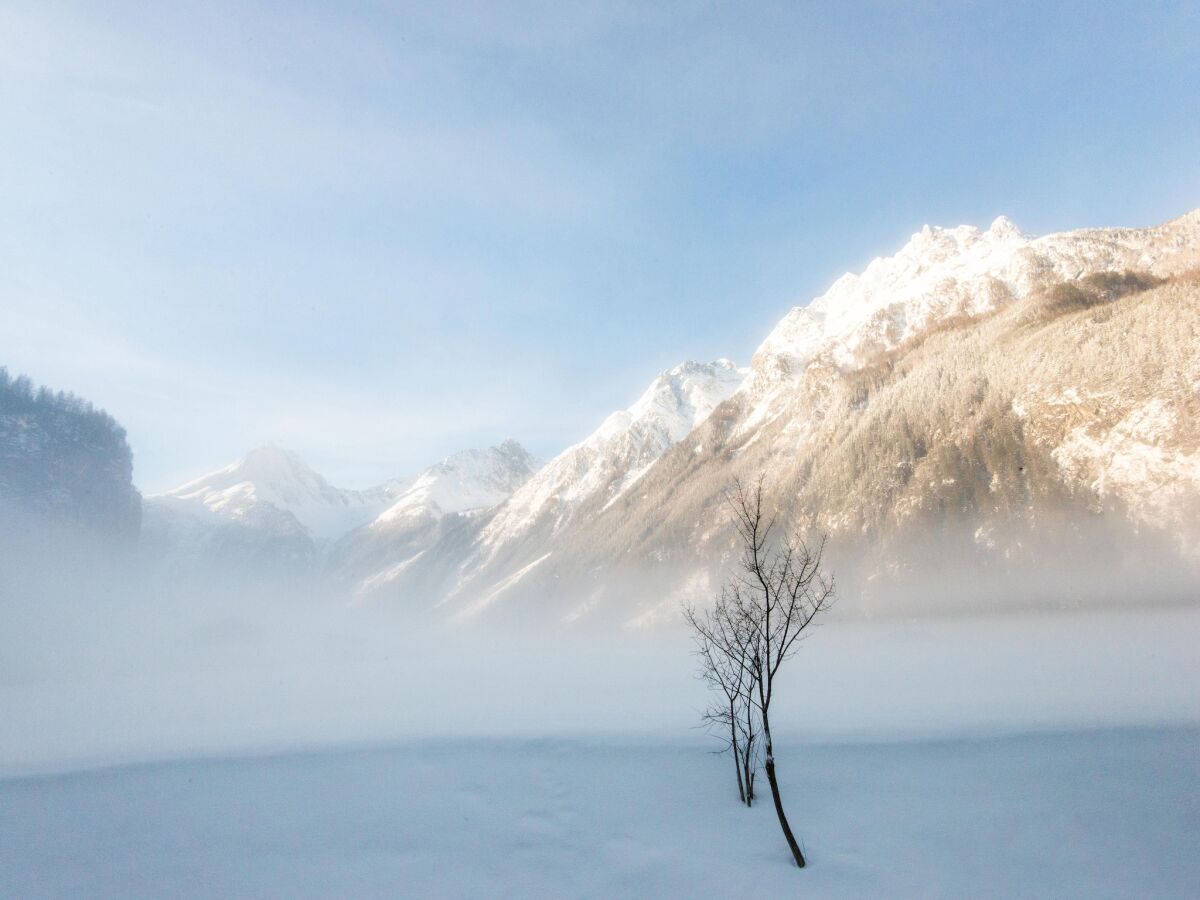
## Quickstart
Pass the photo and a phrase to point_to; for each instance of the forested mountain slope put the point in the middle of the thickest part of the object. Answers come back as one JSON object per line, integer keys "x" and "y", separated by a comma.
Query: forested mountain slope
{"x": 63, "y": 464}
{"x": 984, "y": 419}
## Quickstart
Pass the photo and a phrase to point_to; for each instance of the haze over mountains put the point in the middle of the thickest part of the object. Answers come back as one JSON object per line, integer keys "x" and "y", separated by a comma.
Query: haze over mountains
{"x": 984, "y": 418}
{"x": 270, "y": 513}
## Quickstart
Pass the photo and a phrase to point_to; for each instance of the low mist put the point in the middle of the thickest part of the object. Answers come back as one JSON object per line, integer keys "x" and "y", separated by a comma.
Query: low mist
{"x": 102, "y": 663}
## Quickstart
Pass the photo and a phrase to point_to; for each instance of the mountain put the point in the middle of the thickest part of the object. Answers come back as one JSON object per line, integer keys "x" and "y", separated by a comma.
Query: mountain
{"x": 266, "y": 513}
{"x": 64, "y": 465}
{"x": 269, "y": 514}
{"x": 273, "y": 477}
{"x": 609, "y": 461}
{"x": 942, "y": 276}
{"x": 467, "y": 481}
{"x": 440, "y": 501}
{"x": 473, "y": 561}
{"x": 986, "y": 418}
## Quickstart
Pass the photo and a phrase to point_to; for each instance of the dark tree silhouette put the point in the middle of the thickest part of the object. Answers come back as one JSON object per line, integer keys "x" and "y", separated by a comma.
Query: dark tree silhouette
{"x": 63, "y": 461}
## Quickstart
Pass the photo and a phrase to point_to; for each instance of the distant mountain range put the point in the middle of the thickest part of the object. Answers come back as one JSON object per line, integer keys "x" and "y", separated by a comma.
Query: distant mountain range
{"x": 270, "y": 514}
{"x": 985, "y": 418}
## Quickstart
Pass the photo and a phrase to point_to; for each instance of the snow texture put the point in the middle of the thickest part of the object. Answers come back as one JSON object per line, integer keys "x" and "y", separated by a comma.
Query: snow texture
{"x": 558, "y": 768}
{"x": 278, "y": 479}
{"x": 945, "y": 272}
{"x": 1095, "y": 815}
{"x": 272, "y": 494}
{"x": 470, "y": 480}
{"x": 610, "y": 460}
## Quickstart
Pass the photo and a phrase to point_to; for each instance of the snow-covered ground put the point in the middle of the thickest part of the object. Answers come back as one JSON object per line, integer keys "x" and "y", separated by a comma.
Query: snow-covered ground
{"x": 1096, "y": 814}
{"x": 1012, "y": 756}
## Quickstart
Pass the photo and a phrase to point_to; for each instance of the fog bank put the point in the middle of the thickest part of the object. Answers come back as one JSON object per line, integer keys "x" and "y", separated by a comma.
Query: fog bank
{"x": 252, "y": 680}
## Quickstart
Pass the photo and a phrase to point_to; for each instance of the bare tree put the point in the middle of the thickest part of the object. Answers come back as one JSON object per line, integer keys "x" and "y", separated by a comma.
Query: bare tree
{"x": 775, "y": 595}
{"x": 723, "y": 644}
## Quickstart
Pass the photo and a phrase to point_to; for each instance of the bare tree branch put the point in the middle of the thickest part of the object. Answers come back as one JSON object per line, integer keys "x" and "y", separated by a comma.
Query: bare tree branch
{"x": 755, "y": 626}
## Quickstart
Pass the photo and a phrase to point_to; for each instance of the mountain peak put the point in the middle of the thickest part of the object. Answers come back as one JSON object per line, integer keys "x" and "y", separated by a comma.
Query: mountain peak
{"x": 270, "y": 463}
{"x": 510, "y": 445}
{"x": 682, "y": 397}
{"x": 1003, "y": 226}
{"x": 271, "y": 451}
{"x": 693, "y": 370}
{"x": 464, "y": 481}
{"x": 940, "y": 273}
{"x": 271, "y": 476}
{"x": 612, "y": 458}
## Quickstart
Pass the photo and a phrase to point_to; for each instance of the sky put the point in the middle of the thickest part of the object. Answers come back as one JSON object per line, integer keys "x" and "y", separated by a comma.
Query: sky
{"x": 379, "y": 233}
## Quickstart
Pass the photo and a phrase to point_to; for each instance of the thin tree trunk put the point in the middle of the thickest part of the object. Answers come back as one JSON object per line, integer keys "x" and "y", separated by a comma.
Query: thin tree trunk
{"x": 769, "y": 765}
{"x": 738, "y": 769}
{"x": 733, "y": 741}
{"x": 747, "y": 756}
{"x": 748, "y": 776}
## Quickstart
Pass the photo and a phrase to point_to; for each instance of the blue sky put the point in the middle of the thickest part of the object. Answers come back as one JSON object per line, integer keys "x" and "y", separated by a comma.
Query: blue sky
{"x": 378, "y": 233}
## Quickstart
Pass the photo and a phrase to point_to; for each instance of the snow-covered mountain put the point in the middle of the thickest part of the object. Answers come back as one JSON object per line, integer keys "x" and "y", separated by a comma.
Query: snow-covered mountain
{"x": 468, "y": 480}
{"x": 270, "y": 476}
{"x": 945, "y": 274}
{"x": 611, "y": 459}
{"x": 267, "y": 513}
{"x": 984, "y": 417}
{"x": 270, "y": 513}
{"x": 983, "y": 414}
{"x": 471, "y": 564}
{"x": 441, "y": 501}
{"x": 983, "y": 411}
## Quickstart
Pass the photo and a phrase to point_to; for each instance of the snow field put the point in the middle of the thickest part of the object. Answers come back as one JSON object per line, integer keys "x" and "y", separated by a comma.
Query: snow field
{"x": 1087, "y": 814}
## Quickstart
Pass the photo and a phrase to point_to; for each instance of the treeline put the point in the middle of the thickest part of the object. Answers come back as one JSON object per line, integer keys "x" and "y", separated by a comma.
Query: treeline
{"x": 63, "y": 462}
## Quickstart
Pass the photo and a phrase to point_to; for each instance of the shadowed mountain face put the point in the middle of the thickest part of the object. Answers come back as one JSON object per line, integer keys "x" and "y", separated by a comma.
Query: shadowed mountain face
{"x": 985, "y": 419}
{"x": 69, "y": 513}
{"x": 64, "y": 465}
